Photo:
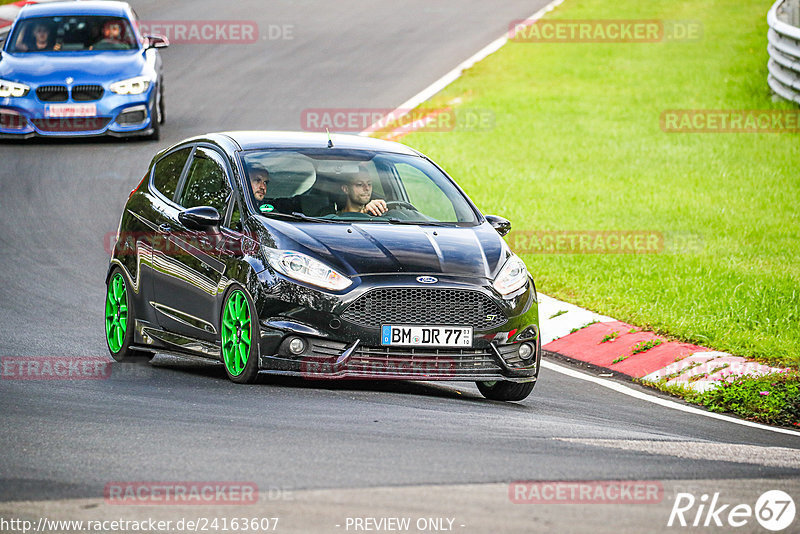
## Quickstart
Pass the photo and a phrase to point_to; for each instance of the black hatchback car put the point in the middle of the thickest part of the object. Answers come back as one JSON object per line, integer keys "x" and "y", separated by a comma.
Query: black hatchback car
{"x": 322, "y": 257}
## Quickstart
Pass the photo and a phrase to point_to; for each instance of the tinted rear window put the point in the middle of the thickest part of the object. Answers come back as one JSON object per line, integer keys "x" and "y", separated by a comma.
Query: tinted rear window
{"x": 206, "y": 183}
{"x": 168, "y": 171}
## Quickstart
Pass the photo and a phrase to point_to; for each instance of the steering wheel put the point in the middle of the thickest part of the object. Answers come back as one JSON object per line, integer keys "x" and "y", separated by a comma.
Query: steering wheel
{"x": 395, "y": 204}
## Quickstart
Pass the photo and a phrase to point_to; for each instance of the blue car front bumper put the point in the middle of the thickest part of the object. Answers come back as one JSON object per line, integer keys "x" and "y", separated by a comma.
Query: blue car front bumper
{"x": 117, "y": 115}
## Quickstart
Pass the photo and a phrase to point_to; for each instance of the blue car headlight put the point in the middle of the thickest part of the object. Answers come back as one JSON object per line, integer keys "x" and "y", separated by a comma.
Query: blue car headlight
{"x": 13, "y": 89}
{"x": 306, "y": 269}
{"x": 513, "y": 276}
{"x": 131, "y": 86}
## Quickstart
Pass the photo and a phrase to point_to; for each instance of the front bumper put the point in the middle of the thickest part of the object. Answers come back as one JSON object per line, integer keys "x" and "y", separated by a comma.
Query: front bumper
{"x": 325, "y": 359}
{"x": 117, "y": 115}
{"x": 336, "y": 347}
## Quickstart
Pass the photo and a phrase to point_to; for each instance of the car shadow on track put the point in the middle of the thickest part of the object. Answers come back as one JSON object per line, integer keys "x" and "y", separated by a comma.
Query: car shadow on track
{"x": 215, "y": 370}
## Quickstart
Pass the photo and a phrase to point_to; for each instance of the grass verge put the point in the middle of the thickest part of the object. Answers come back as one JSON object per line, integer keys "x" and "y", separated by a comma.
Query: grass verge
{"x": 772, "y": 399}
{"x": 575, "y": 144}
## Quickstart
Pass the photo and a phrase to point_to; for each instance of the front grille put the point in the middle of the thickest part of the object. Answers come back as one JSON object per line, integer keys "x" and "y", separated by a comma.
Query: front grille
{"x": 425, "y": 306}
{"x": 73, "y": 124}
{"x": 52, "y": 93}
{"x": 86, "y": 93}
{"x": 399, "y": 362}
{"x": 422, "y": 362}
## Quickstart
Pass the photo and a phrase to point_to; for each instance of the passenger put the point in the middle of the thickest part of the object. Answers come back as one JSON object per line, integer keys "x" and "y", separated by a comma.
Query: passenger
{"x": 42, "y": 40}
{"x": 259, "y": 180}
{"x": 359, "y": 196}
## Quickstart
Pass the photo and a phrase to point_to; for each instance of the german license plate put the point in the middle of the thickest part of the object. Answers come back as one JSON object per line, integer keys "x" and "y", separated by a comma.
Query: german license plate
{"x": 426, "y": 336}
{"x": 60, "y": 111}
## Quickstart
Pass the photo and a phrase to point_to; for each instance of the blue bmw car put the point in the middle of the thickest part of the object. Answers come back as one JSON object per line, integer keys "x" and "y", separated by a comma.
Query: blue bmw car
{"x": 80, "y": 69}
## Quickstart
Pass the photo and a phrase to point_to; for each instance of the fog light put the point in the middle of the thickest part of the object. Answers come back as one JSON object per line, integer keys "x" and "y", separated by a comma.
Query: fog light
{"x": 297, "y": 346}
{"x": 134, "y": 115}
{"x": 525, "y": 351}
{"x": 11, "y": 120}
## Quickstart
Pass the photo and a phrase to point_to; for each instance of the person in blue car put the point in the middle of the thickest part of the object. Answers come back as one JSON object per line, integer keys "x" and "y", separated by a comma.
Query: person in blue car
{"x": 40, "y": 40}
{"x": 113, "y": 37}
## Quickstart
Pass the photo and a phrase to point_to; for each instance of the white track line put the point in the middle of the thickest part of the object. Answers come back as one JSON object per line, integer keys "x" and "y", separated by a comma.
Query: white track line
{"x": 453, "y": 75}
{"x": 625, "y": 390}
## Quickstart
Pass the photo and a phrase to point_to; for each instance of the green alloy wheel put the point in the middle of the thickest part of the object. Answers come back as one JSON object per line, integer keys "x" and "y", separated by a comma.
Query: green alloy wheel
{"x": 236, "y": 333}
{"x": 120, "y": 320}
{"x": 116, "y": 313}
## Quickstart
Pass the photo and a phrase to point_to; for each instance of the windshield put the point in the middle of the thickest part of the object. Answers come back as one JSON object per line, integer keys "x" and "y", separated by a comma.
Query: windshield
{"x": 342, "y": 185}
{"x": 72, "y": 34}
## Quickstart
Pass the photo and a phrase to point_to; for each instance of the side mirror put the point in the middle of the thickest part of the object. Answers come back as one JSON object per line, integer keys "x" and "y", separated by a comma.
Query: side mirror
{"x": 156, "y": 41}
{"x": 503, "y": 226}
{"x": 200, "y": 218}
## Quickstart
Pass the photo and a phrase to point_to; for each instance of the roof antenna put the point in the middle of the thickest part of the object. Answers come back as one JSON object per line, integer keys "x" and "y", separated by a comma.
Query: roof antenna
{"x": 330, "y": 143}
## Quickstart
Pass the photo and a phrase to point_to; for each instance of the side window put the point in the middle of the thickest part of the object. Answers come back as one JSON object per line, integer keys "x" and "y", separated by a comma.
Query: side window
{"x": 236, "y": 217}
{"x": 206, "y": 183}
{"x": 168, "y": 171}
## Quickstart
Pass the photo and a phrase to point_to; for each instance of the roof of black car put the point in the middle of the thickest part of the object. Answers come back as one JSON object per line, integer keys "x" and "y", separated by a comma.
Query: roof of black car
{"x": 249, "y": 140}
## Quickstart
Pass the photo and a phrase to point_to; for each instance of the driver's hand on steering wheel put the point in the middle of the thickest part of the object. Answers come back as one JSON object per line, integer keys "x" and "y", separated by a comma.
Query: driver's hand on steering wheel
{"x": 375, "y": 207}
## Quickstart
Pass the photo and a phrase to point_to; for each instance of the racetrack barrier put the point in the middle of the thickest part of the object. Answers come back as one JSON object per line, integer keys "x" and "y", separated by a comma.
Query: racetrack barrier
{"x": 783, "y": 40}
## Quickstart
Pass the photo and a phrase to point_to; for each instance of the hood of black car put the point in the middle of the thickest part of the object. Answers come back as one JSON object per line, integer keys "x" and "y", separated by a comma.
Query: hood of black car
{"x": 374, "y": 248}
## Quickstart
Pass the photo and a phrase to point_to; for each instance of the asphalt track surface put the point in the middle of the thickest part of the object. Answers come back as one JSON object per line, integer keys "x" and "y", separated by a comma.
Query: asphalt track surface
{"x": 406, "y": 448}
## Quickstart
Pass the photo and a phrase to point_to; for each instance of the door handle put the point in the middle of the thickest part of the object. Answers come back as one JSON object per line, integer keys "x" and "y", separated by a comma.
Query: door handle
{"x": 165, "y": 228}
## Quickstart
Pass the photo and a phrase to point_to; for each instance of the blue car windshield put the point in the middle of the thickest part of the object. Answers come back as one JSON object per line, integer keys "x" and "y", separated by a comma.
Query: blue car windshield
{"x": 344, "y": 185}
{"x": 77, "y": 33}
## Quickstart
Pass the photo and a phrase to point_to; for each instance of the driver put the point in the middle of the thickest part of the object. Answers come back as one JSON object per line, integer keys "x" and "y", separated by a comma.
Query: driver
{"x": 359, "y": 195}
{"x": 112, "y": 36}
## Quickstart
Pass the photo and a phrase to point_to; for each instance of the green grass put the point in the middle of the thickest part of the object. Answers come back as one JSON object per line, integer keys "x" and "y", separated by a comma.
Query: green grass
{"x": 771, "y": 399}
{"x": 610, "y": 337}
{"x": 7, "y": 2}
{"x": 576, "y": 145}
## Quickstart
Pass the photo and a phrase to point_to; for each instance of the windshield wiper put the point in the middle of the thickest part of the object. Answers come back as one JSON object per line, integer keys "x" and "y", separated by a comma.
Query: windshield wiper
{"x": 392, "y": 220}
{"x": 297, "y": 216}
{"x": 305, "y": 217}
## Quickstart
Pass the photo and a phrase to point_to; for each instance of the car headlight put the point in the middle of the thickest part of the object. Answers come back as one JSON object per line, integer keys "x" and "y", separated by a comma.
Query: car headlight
{"x": 306, "y": 269}
{"x": 513, "y": 276}
{"x": 132, "y": 86}
{"x": 13, "y": 89}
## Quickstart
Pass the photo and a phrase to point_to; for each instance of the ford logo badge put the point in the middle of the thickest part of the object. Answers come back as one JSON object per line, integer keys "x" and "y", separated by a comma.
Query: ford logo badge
{"x": 427, "y": 279}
